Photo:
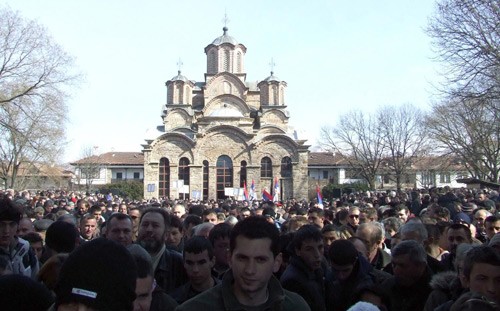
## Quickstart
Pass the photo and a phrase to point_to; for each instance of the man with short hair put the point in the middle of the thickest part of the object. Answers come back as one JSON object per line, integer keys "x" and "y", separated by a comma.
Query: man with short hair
{"x": 25, "y": 226}
{"x": 135, "y": 215}
{"x": 353, "y": 218}
{"x": 408, "y": 289}
{"x": 175, "y": 239}
{"x": 304, "y": 274}
{"x": 402, "y": 212}
{"x": 88, "y": 228}
{"x": 456, "y": 234}
{"x": 491, "y": 226}
{"x": 18, "y": 253}
{"x": 119, "y": 229}
{"x": 482, "y": 272}
{"x": 373, "y": 235}
{"x": 250, "y": 284}
{"x": 210, "y": 216}
{"x": 167, "y": 264}
{"x": 179, "y": 210}
{"x": 198, "y": 262}
{"x": 149, "y": 297}
{"x": 219, "y": 237}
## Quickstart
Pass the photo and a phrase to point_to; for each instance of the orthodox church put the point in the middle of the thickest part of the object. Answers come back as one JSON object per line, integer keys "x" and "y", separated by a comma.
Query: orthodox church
{"x": 224, "y": 134}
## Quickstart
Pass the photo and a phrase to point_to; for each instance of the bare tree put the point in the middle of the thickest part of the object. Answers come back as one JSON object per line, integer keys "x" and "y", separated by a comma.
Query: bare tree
{"x": 404, "y": 136}
{"x": 470, "y": 129}
{"x": 358, "y": 139}
{"x": 35, "y": 76}
{"x": 88, "y": 168}
{"x": 29, "y": 135}
{"x": 466, "y": 38}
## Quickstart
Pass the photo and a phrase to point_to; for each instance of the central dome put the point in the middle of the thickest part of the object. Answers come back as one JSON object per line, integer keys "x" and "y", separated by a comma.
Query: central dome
{"x": 225, "y": 38}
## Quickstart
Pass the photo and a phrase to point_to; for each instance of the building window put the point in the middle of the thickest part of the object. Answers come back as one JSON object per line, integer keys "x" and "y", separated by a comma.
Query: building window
{"x": 238, "y": 63}
{"x": 184, "y": 170}
{"x": 212, "y": 62}
{"x": 325, "y": 174}
{"x": 205, "y": 180}
{"x": 387, "y": 179}
{"x": 444, "y": 178}
{"x": 137, "y": 175}
{"x": 266, "y": 168}
{"x": 164, "y": 178}
{"x": 243, "y": 173}
{"x": 286, "y": 167}
{"x": 227, "y": 61}
{"x": 224, "y": 175}
{"x": 119, "y": 175}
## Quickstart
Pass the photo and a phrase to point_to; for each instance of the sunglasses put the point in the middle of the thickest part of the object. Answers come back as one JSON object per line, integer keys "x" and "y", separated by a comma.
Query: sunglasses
{"x": 353, "y": 216}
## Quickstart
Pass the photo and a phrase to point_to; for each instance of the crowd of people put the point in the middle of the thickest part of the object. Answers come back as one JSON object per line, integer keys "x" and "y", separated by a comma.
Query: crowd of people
{"x": 435, "y": 249}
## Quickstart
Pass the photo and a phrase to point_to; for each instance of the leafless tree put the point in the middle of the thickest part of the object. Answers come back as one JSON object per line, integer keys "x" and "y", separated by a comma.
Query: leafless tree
{"x": 358, "y": 139}
{"x": 470, "y": 129}
{"x": 88, "y": 167}
{"x": 466, "y": 38}
{"x": 405, "y": 137}
{"x": 29, "y": 135}
{"x": 35, "y": 77}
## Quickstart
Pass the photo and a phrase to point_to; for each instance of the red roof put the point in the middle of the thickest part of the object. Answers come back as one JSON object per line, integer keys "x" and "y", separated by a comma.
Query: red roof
{"x": 114, "y": 158}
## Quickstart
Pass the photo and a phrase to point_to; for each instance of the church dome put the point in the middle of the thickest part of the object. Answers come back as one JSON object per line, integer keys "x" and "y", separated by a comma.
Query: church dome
{"x": 225, "y": 38}
{"x": 179, "y": 77}
{"x": 272, "y": 77}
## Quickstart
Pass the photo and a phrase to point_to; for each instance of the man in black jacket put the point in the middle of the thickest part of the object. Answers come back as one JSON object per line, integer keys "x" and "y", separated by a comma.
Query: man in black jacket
{"x": 305, "y": 274}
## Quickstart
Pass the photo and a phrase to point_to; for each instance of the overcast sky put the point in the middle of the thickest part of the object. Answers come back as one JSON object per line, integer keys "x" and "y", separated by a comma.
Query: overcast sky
{"x": 335, "y": 55}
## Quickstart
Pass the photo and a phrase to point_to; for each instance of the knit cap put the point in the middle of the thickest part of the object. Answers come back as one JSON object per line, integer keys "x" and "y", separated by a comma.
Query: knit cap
{"x": 100, "y": 274}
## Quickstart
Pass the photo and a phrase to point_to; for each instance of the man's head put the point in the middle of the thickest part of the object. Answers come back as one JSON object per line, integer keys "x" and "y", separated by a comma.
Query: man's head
{"x": 402, "y": 212}
{"x": 343, "y": 258}
{"x": 219, "y": 237}
{"x": 308, "y": 246}
{"x": 210, "y": 216}
{"x": 353, "y": 217}
{"x": 36, "y": 243}
{"x": 479, "y": 218}
{"x": 119, "y": 228}
{"x": 10, "y": 216}
{"x": 414, "y": 231}
{"x": 491, "y": 226}
{"x": 144, "y": 284}
{"x": 482, "y": 271}
{"x": 178, "y": 210}
{"x": 82, "y": 206}
{"x": 99, "y": 275}
{"x": 316, "y": 217}
{"x": 25, "y": 226}
{"x": 254, "y": 255}
{"x": 373, "y": 234}
{"x": 88, "y": 227}
{"x": 174, "y": 234}
{"x": 409, "y": 262}
{"x": 198, "y": 260}
{"x": 457, "y": 234}
{"x": 153, "y": 229}
{"x": 61, "y": 237}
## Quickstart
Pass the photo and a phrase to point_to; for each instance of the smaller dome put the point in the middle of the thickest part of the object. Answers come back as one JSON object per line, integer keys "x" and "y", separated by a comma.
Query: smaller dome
{"x": 272, "y": 77}
{"x": 225, "y": 38}
{"x": 179, "y": 77}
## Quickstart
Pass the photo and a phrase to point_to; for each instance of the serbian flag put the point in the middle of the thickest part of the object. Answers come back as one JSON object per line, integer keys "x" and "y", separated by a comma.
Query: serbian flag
{"x": 318, "y": 193}
{"x": 252, "y": 191}
{"x": 276, "y": 190}
{"x": 266, "y": 196}
{"x": 245, "y": 191}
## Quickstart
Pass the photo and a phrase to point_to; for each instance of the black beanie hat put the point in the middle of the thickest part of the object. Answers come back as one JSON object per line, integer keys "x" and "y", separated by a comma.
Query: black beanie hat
{"x": 342, "y": 253}
{"x": 100, "y": 274}
{"x": 21, "y": 293}
{"x": 9, "y": 211}
{"x": 61, "y": 237}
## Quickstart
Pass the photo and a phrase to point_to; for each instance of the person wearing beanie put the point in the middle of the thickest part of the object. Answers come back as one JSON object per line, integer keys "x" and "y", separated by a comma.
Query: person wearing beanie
{"x": 21, "y": 293}
{"x": 18, "y": 253}
{"x": 61, "y": 237}
{"x": 100, "y": 274}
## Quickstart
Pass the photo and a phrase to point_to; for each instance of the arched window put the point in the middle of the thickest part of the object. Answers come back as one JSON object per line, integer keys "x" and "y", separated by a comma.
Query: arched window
{"x": 205, "y": 180}
{"x": 164, "y": 178}
{"x": 227, "y": 60}
{"x": 243, "y": 173}
{"x": 212, "y": 62}
{"x": 275, "y": 95}
{"x": 179, "y": 93}
{"x": 266, "y": 168}
{"x": 224, "y": 175}
{"x": 286, "y": 167}
{"x": 184, "y": 170}
{"x": 238, "y": 63}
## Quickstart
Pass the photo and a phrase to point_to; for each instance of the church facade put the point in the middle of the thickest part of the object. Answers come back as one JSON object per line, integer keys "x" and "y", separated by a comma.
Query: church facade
{"x": 223, "y": 133}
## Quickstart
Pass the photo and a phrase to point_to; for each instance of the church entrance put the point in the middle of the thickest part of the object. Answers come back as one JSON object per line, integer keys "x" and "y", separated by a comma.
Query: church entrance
{"x": 224, "y": 175}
